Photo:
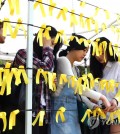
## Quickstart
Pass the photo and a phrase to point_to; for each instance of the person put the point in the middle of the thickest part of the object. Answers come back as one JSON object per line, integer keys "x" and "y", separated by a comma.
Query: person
{"x": 44, "y": 58}
{"x": 105, "y": 66}
{"x": 2, "y": 38}
{"x": 64, "y": 95}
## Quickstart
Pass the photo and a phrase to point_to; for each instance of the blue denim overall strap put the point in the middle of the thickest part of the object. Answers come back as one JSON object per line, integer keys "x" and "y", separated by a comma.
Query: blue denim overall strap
{"x": 68, "y": 100}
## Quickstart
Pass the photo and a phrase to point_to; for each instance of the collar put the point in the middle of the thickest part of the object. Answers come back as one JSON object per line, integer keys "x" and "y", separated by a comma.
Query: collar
{"x": 109, "y": 64}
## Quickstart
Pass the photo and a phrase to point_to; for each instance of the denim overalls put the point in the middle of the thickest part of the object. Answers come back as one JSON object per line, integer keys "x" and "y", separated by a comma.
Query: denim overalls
{"x": 68, "y": 100}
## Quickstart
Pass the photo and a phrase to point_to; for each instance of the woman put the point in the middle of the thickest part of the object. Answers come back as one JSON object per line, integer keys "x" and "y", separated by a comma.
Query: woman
{"x": 44, "y": 58}
{"x": 64, "y": 96}
{"x": 105, "y": 66}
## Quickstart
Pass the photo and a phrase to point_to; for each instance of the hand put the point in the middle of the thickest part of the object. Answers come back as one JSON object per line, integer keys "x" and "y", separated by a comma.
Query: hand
{"x": 113, "y": 105}
{"x": 105, "y": 102}
{"x": 95, "y": 106}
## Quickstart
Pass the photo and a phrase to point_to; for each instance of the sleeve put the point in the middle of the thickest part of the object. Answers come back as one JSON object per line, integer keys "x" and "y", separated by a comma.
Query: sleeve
{"x": 64, "y": 67}
{"x": 117, "y": 96}
{"x": 46, "y": 63}
{"x": 86, "y": 101}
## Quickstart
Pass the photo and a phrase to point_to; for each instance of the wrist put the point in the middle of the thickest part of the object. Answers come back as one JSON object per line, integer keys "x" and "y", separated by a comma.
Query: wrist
{"x": 102, "y": 97}
{"x": 116, "y": 101}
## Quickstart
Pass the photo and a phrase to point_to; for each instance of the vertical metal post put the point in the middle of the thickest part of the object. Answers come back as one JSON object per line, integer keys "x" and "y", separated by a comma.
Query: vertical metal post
{"x": 28, "y": 114}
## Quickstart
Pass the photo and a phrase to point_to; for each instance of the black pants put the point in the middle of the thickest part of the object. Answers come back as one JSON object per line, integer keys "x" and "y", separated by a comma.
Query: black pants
{"x": 20, "y": 127}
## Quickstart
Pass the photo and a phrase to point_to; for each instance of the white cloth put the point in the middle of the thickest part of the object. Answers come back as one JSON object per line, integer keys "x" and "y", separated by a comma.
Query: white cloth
{"x": 110, "y": 72}
{"x": 64, "y": 67}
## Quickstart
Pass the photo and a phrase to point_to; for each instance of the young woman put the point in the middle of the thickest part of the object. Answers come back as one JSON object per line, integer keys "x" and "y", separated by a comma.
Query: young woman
{"x": 105, "y": 66}
{"x": 44, "y": 58}
{"x": 64, "y": 96}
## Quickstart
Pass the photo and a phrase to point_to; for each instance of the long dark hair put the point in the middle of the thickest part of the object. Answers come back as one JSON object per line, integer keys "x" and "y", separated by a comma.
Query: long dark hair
{"x": 73, "y": 45}
{"x": 96, "y": 68}
{"x": 1, "y": 25}
{"x": 37, "y": 49}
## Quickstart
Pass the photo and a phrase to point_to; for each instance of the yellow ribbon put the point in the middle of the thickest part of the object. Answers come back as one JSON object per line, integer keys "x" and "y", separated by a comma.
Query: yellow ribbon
{"x": 1, "y": 75}
{"x": 59, "y": 34}
{"x": 96, "y": 11}
{"x": 14, "y": 4}
{"x": 7, "y": 26}
{"x": 40, "y": 35}
{"x": 44, "y": 74}
{"x": 62, "y": 13}
{"x": 12, "y": 118}
{"x": 0, "y": 3}
{"x": 21, "y": 71}
{"x": 79, "y": 86}
{"x": 111, "y": 85}
{"x": 118, "y": 96}
{"x": 116, "y": 49}
{"x": 82, "y": 4}
{"x": 110, "y": 49}
{"x": 103, "y": 84}
{"x": 95, "y": 48}
{"x": 87, "y": 113}
{"x": 99, "y": 112}
{"x": 46, "y": 33}
{"x": 3, "y": 117}
{"x": 60, "y": 113}
{"x": 51, "y": 78}
{"x": 51, "y": 7}
{"x": 73, "y": 20}
{"x": 39, "y": 3}
{"x": 6, "y": 79}
{"x": 39, "y": 116}
{"x": 111, "y": 117}
{"x": 103, "y": 26}
{"x": 18, "y": 25}
{"x": 86, "y": 82}
{"x": 63, "y": 79}
{"x": 92, "y": 83}
{"x": 88, "y": 22}
{"x": 107, "y": 14}
{"x": 72, "y": 80}
{"x": 96, "y": 25}
{"x": 82, "y": 21}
